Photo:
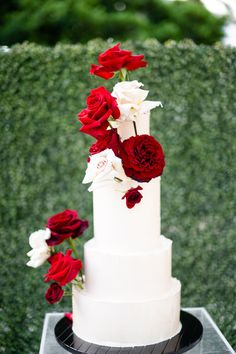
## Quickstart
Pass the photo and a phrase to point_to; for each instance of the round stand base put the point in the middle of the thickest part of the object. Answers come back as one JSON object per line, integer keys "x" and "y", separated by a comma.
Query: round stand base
{"x": 189, "y": 336}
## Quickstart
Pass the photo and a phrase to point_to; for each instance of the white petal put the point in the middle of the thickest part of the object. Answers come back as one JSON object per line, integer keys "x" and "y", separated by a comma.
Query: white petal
{"x": 38, "y": 256}
{"x": 146, "y": 106}
{"x": 104, "y": 176}
{"x": 30, "y": 253}
{"x": 98, "y": 165}
{"x": 35, "y": 263}
{"x": 131, "y": 100}
{"x": 47, "y": 234}
{"x": 90, "y": 172}
{"x": 136, "y": 96}
{"x": 37, "y": 238}
{"x": 87, "y": 178}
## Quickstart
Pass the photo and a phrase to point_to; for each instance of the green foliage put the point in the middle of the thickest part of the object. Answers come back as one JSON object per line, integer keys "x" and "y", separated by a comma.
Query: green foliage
{"x": 43, "y": 159}
{"x": 73, "y": 21}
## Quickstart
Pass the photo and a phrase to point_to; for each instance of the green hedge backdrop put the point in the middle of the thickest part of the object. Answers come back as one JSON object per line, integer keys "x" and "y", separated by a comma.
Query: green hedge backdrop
{"x": 43, "y": 159}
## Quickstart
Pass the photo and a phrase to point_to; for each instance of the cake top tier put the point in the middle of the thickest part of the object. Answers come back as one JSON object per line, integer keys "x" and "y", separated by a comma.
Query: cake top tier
{"x": 124, "y": 154}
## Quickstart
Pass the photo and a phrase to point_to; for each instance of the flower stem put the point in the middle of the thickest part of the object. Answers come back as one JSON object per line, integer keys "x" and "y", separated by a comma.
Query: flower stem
{"x": 73, "y": 246}
{"x": 78, "y": 283}
{"x": 110, "y": 125}
{"x": 122, "y": 74}
{"x": 135, "y": 128}
{"x": 118, "y": 179}
{"x": 78, "y": 241}
{"x": 81, "y": 274}
{"x": 67, "y": 293}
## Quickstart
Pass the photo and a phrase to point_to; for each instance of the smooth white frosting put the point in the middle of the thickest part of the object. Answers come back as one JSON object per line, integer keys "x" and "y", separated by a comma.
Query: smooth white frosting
{"x": 123, "y": 276}
{"x": 121, "y": 229}
{"x": 126, "y": 323}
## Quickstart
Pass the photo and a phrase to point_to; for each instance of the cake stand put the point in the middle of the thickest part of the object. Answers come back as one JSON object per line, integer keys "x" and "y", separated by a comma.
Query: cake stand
{"x": 189, "y": 336}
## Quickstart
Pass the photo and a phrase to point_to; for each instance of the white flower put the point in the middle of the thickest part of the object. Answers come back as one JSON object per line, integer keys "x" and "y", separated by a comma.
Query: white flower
{"x": 131, "y": 100}
{"x": 104, "y": 169}
{"x": 40, "y": 250}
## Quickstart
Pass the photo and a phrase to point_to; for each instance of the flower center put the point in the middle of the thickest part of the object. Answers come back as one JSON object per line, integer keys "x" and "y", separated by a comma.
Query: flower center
{"x": 102, "y": 164}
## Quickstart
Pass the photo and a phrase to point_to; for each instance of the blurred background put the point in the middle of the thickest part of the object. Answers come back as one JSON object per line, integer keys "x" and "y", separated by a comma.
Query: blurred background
{"x": 46, "y": 49}
{"x": 72, "y": 21}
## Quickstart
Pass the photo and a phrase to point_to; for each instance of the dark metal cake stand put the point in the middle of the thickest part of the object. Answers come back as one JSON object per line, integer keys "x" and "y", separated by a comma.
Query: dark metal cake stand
{"x": 189, "y": 336}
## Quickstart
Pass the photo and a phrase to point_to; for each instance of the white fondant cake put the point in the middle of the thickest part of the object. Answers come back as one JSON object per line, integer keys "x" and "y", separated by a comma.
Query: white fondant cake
{"x": 130, "y": 297}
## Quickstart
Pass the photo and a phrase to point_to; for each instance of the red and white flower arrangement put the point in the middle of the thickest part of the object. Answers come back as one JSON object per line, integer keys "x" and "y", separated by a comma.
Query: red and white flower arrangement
{"x": 119, "y": 164}
{"x": 113, "y": 162}
{"x": 63, "y": 268}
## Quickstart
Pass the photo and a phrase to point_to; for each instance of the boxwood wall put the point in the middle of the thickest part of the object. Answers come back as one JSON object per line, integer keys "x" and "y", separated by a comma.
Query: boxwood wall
{"x": 43, "y": 158}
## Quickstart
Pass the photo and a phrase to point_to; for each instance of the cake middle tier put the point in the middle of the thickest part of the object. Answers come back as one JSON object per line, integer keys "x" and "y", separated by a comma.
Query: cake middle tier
{"x": 127, "y": 276}
{"x": 118, "y": 228}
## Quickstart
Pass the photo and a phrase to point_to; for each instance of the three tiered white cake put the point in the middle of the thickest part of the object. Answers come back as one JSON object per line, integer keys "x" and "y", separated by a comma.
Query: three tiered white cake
{"x": 130, "y": 297}
{"x": 126, "y": 295}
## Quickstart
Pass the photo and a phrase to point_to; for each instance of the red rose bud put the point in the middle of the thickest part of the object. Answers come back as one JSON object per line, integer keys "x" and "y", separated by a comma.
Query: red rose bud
{"x": 115, "y": 59}
{"x": 110, "y": 140}
{"x": 101, "y": 105}
{"x": 142, "y": 157}
{"x": 54, "y": 293}
{"x": 64, "y": 225}
{"x": 133, "y": 196}
{"x": 69, "y": 316}
{"x": 63, "y": 268}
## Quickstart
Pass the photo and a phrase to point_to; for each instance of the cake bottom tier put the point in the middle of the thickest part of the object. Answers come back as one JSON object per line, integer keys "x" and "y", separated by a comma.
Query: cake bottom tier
{"x": 127, "y": 324}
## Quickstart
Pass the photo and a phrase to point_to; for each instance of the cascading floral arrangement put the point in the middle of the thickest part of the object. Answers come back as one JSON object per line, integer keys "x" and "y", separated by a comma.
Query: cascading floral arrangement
{"x": 113, "y": 163}
{"x": 64, "y": 269}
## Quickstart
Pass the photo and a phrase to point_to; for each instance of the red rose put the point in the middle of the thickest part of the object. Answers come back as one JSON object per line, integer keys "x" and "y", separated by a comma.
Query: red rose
{"x": 142, "y": 157}
{"x": 101, "y": 71}
{"x": 114, "y": 59}
{"x": 110, "y": 140}
{"x": 64, "y": 268}
{"x": 135, "y": 62}
{"x": 100, "y": 106}
{"x": 64, "y": 225}
{"x": 54, "y": 293}
{"x": 133, "y": 196}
